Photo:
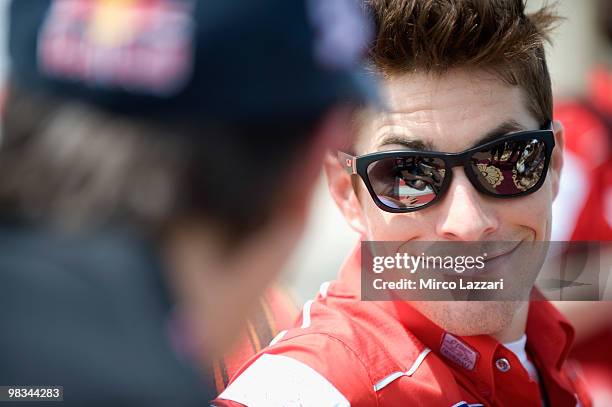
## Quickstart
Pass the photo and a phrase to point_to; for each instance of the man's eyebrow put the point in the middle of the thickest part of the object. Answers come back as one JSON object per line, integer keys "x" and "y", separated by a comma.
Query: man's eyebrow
{"x": 411, "y": 144}
{"x": 504, "y": 128}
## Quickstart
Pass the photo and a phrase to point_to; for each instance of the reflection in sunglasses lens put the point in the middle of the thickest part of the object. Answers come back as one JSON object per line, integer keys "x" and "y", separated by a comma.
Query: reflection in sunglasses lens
{"x": 406, "y": 182}
{"x": 510, "y": 167}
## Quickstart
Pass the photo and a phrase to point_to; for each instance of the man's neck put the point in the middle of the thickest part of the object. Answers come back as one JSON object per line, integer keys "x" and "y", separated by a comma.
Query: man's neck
{"x": 517, "y": 327}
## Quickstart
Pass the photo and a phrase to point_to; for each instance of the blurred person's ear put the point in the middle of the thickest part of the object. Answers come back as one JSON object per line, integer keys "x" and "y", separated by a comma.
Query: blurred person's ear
{"x": 556, "y": 163}
{"x": 343, "y": 192}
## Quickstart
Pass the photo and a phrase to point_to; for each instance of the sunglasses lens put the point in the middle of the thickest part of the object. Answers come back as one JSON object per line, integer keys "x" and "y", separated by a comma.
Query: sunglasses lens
{"x": 406, "y": 182}
{"x": 510, "y": 167}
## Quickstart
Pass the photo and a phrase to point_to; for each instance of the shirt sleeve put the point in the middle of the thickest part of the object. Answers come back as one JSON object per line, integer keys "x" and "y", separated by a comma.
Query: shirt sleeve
{"x": 312, "y": 370}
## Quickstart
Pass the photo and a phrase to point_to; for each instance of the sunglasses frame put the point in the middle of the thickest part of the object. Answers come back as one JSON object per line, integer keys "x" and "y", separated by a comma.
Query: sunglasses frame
{"x": 358, "y": 165}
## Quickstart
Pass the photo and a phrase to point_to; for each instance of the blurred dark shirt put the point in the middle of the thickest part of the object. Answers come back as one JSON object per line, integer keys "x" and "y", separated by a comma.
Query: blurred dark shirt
{"x": 89, "y": 312}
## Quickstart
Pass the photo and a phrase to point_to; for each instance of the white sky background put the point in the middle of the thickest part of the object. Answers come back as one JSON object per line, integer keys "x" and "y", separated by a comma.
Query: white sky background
{"x": 327, "y": 240}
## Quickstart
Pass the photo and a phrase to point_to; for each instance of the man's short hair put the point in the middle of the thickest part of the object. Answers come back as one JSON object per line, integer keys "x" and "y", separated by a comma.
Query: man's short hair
{"x": 435, "y": 36}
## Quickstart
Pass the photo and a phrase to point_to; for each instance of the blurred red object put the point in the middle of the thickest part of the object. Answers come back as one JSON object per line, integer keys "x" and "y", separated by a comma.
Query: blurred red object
{"x": 276, "y": 311}
{"x": 588, "y": 153}
{"x": 587, "y": 211}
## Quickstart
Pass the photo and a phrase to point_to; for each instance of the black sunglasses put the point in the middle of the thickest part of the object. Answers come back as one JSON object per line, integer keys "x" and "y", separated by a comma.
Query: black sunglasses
{"x": 406, "y": 181}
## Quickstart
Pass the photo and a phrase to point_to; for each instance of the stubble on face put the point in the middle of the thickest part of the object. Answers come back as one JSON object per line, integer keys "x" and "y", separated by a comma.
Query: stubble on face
{"x": 468, "y": 318}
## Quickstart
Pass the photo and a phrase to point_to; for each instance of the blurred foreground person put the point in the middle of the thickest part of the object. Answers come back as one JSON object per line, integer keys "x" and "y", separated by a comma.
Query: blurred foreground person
{"x": 156, "y": 164}
{"x": 466, "y": 151}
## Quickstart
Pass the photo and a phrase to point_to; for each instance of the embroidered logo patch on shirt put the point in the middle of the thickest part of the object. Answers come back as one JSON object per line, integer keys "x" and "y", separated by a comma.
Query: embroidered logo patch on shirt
{"x": 459, "y": 352}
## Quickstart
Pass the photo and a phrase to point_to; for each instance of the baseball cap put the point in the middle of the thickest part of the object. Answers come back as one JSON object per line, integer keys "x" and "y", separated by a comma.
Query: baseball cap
{"x": 235, "y": 60}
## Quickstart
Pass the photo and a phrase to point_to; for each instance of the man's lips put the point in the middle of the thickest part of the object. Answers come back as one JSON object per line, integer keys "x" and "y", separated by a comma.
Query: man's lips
{"x": 491, "y": 255}
{"x": 493, "y": 258}
{"x": 501, "y": 252}
{"x": 494, "y": 261}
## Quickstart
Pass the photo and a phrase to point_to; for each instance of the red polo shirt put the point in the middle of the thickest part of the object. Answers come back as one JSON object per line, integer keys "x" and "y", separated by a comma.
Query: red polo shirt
{"x": 346, "y": 352}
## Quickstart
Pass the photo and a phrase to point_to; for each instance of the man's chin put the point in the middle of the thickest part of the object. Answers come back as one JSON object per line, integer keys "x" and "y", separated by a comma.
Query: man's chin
{"x": 469, "y": 318}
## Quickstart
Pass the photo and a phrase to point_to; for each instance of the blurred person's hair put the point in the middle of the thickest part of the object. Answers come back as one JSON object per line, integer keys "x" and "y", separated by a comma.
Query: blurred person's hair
{"x": 435, "y": 36}
{"x": 72, "y": 163}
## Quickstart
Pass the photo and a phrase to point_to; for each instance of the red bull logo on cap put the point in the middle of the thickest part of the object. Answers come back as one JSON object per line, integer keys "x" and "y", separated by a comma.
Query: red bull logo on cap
{"x": 143, "y": 46}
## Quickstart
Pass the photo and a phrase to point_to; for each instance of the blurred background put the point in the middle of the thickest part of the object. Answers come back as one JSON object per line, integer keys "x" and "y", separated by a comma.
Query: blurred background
{"x": 577, "y": 47}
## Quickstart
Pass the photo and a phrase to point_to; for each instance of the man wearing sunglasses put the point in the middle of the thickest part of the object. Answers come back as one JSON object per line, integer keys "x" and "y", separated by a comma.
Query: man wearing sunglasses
{"x": 465, "y": 150}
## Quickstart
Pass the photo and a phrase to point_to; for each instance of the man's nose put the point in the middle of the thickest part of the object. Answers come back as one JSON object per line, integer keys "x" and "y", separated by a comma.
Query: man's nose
{"x": 463, "y": 213}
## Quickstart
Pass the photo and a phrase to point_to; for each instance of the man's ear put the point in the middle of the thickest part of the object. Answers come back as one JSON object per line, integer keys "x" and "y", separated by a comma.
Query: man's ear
{"x": 556, "y": 163}
{"x": 343, "y": 193}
